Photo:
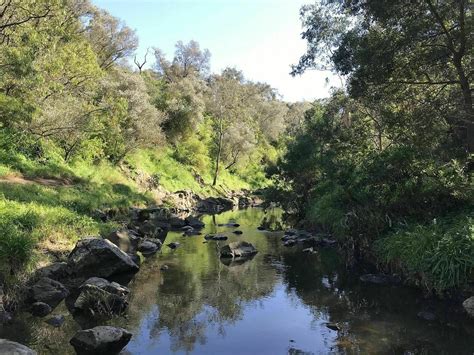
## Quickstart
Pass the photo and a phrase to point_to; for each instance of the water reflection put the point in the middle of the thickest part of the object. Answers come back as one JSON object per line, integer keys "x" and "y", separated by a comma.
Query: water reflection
{"x": 278, "y": 302}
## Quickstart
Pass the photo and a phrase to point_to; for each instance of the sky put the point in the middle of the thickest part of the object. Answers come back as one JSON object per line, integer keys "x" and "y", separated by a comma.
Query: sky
{"x": 260, "y": 37}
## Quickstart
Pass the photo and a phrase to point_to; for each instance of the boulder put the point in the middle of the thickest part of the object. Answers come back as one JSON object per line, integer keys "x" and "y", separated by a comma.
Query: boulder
{"x": 124, "y": 239}
{"x": 48, "y": 291}
{"x": 100, "y": 340}
{"x": 99, "y": 296}
{"x": 238, "y": 232}
{"x": 176, "y": 223}
{"x": 99, "y": 257}
{"x": 148, "y": 248}
{"x": 40, "y": 309}
{"x": 237, "y": 249}
{"x": 380, "y": 279}
{"x": 468, "y": 305}
{"x": 194, "y": 222}
{"x": 12, "y": 348}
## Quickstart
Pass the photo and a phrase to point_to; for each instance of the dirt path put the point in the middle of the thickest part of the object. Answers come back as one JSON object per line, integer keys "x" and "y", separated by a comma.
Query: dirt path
{"x": 22, "y": 180}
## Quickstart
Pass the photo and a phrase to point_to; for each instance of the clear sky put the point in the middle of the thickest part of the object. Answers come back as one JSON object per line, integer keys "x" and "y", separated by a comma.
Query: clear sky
{"x": 259, "y": 37}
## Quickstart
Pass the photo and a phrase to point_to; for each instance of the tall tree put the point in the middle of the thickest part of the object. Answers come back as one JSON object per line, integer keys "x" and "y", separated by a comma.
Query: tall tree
{"x": 399, "y": 50}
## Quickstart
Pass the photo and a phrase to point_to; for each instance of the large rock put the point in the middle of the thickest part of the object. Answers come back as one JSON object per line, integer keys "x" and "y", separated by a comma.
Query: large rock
{"x": 124, "y": 239}
{"x": 8, "y": 347}
{"x": 100, "y": 340}
{"x": 468, "y": 305}
{"x": 238, "y": 249}
{"x": 99, "y": 257}
{"x": 48, "y": 291}
{"x": 99, "y": 296}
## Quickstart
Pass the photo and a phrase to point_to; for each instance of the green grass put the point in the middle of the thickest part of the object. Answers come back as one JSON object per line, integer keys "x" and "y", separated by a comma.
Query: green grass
{"x": 438, "y": 255}
{"x": 38, "y": 220}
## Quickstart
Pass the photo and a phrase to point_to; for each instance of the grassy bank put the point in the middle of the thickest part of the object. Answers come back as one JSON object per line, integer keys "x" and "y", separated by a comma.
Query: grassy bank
{"x": 46, "y": 204}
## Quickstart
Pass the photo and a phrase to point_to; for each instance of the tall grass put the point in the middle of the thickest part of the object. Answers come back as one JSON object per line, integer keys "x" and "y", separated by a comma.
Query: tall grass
{"x": 438, "y": 256}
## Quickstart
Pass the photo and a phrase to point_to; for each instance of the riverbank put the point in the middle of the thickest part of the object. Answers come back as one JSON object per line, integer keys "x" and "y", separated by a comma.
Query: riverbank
{"x": 46, "y": 205}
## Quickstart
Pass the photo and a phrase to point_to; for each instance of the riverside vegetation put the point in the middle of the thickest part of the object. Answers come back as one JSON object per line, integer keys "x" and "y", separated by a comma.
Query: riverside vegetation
{"x": 384, "y": 165}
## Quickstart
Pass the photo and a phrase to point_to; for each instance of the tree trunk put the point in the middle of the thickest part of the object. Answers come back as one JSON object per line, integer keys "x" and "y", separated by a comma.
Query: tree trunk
{"x": 218, "y": 157}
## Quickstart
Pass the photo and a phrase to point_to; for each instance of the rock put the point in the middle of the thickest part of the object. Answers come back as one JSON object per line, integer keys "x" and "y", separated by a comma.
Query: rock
{"x": 48, "y": 291}
{"x": 289, "y": 243}
{"x": 261, "y": 228}
{"x": 153, "y": 229}
{"x": 55, "y": 271}
{"x": 187, "y": 228}
{"x": 164, "y": 267}
{"x": 427, "y": 315}
{"x": 238, "y": 232}
{"x": 237, "y": 249}
{"x": 214, "y": 204}
{"x": 148, "y": 248}
{"x": 56, "y": 321}
{"x": 191, "y": 232}
{"x": 286, "y": 238}
{"x": 99, "y": 257}
{"x": 380, "y": 279}
{"x": 308, "y": 250}
{"x": 194, "y": 222}
{"x": 176, "y": 223}
{"x": 124, "y": 239}
{"x": 333, "y": 326}
{"x": 468, "y": 305}
{"x": 173, "y": 245}
{"x": 40, "y": 309}
{"x": 209, "y": 236}
{"x": 8, "y": 347}
{"x": 219, "y": 237}
{"x": 99, "y": 296}
{"x": 100, "y": 340}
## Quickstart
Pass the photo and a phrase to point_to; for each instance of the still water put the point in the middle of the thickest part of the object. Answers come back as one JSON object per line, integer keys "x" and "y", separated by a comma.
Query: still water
{"x": 277, "y": 303}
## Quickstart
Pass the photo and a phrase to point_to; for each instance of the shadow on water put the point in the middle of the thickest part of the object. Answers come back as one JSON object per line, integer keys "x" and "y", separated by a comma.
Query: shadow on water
{"x": 278, "y": 302}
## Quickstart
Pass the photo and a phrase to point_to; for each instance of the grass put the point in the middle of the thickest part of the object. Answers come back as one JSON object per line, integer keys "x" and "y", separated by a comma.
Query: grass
{"x": 38, "y": 220}
{"x": 438, "y": 255}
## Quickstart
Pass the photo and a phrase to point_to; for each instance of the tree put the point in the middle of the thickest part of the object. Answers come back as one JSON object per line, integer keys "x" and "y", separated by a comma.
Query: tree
{"x": 110, "y": 38}
{"x": 182, "y": 96}
{"x": 399, "y": 50}
{"x": 129, "y": 121}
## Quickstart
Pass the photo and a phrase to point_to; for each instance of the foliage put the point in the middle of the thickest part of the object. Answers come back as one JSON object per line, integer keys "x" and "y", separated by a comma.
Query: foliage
{"x": 438, "y": 255}
{"x": 395, "y": 147}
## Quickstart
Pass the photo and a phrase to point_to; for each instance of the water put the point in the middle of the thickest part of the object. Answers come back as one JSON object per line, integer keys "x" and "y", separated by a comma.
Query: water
{"x": 277, "y": 303}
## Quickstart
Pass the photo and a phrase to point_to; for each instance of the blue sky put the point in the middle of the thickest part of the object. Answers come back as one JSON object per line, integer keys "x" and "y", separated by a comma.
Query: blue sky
{"x": 259, "y": 37}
